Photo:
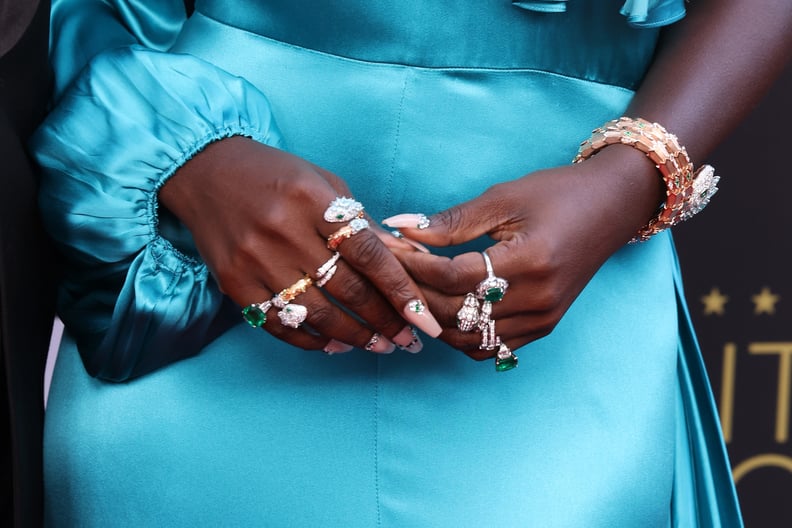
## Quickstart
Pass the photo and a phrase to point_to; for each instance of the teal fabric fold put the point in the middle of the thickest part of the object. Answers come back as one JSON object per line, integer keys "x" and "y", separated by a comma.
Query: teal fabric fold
{"x": 81, "y": 30}
{"x": 708, "y": 499}
{"x": 639, "y": 13}
{"x": 131, "y": 299}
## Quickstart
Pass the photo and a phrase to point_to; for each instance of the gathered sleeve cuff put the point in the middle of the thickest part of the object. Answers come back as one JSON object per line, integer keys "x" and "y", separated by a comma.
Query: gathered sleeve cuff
{"x": 131, "y": 299}
{"x": 639, "y": 13}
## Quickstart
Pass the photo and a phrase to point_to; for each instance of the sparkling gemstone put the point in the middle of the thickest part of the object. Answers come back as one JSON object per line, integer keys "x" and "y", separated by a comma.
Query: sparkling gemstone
{"x": 358, "y": 225}
{"x": 254, "y": 315}
{"x": 416, "y": 306}
{"x": 494, "y": 294}
{"x": 342, "y": 209}
{"x": 504, "y": 364}
{"x": 293, "y": 315}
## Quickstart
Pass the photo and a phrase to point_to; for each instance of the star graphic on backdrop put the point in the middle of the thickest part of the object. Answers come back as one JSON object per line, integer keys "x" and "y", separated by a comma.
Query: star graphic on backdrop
{"x": 714, "y": 302}
{"x": 765, "y": 301}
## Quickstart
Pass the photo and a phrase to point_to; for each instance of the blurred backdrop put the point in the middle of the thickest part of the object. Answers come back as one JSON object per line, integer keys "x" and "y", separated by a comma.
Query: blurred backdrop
{"x": 737, "y": 263}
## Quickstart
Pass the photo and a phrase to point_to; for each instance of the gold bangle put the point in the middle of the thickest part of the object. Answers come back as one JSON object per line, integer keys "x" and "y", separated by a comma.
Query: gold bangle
{"x": 688, "y": 191}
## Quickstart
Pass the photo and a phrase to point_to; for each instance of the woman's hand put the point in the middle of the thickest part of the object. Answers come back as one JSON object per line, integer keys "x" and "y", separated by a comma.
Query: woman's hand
{"x": 554, "y": 228}
{"x": 256, "y": 215}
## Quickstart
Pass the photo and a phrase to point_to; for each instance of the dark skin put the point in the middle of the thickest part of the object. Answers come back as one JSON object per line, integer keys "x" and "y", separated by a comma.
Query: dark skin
{"x": 710, "y": 69}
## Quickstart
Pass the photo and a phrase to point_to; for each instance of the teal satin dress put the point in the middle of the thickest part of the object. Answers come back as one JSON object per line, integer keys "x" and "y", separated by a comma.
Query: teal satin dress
{"x": 167, "y": 410}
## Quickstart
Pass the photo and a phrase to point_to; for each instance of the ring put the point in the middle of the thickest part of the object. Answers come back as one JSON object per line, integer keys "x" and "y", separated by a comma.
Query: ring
{"x": 256, "y": 314}
{"x": 505, "y": 359}
{"x": 489, "y": 339}
{"x": 343, "y": 209}
{"x": 324, "y": 268}
{"x": 352, "y": 228}
{"x": 293, "y": 315}
{"x": 326, "y": 271}
{"x": 468, "y": 316}
{"x": 326, "y": 277}
{"x": 485, "y": 315}
{"x": 289, "y": 294}
{"x": 492, "y": 288}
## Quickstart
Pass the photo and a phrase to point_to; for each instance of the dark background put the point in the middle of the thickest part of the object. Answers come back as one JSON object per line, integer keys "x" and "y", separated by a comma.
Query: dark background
{"x": 739, "y": 246}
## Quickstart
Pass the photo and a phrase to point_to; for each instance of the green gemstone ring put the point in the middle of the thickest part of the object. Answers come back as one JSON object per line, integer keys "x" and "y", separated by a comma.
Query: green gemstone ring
{"x": 492, "y": 288}
{"x": 505, "y": 359}
{"x": 256, "y": 314}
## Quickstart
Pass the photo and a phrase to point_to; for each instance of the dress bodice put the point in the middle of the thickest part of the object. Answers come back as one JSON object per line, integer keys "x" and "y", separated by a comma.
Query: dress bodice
{"x": 495, "y": 34}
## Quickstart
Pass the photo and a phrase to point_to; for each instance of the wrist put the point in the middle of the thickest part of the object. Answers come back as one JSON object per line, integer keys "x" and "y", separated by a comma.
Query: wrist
{"x": 631, "y": 184}
{"x": 687, "y": 190}
{"x": 186, "y": 190}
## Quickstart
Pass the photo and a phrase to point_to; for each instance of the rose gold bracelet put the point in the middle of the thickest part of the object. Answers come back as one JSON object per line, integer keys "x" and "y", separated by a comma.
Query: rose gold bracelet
{"x": 687, "y": 191}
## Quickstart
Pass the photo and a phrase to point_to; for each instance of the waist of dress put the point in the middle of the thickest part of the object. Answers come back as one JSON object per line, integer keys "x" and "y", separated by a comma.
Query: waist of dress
{"x": 587, "y": 42}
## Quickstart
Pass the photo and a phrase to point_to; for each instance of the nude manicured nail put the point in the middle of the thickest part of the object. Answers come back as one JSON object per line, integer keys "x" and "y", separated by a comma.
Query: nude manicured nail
{"x": 408, "y": 340}
{"x": 418, "y": 314}
{"x": 336, "y": 347}
{"x": 417, "y": 245}
{"x": 411, "y": 220}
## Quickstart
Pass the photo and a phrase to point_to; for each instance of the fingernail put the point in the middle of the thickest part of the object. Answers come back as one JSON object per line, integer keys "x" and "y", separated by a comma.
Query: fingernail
{"x": 418, "y": 314}
{"x": 336, "y": 347}
{"x": 408, "y": 340}
{"x": 414, "y": 221}
{"x": 417, "y": 245}
{"x": 379, "y": 344}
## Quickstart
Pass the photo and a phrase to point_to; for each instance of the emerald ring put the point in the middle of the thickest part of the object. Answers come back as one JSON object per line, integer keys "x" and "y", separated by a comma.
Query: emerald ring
{"x": 505, "y": 359}
{"x": 492, "y": 288}
{"x": 256, "y": 314}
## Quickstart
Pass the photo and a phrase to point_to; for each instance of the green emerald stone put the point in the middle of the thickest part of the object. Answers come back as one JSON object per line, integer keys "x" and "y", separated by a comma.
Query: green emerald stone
{"x": 254, "y": 316}
{"x": 502, "y": 365}
{"x": 494, "y": 294}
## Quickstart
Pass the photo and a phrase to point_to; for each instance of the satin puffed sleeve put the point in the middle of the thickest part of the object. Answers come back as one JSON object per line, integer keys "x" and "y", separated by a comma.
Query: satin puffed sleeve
{"x": 81, "y": 29}
{"x": 132, "y": 300}
{"x": 639, "y": 13}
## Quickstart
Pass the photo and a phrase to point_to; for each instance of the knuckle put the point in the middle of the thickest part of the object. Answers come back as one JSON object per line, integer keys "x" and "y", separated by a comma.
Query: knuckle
{"x": 367, "y": 250}
{"x": 356, "y": 292}
{"x": 546, "y": 325}
{"x": 322, "y": 315}
{"x": 453, "y": 219}
{"x": 548, "y": 299}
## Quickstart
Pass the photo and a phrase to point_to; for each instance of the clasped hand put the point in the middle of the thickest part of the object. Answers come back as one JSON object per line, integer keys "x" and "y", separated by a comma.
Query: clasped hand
{"x": 552, "y": 230}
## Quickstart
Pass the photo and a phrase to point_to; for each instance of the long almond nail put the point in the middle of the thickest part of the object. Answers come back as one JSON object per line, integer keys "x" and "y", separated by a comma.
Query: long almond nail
{"x": 336, "y": 347}
{"x": 411, "y": 220}
{"x": 408, "y": 340}
{"x": 418, "y": 314}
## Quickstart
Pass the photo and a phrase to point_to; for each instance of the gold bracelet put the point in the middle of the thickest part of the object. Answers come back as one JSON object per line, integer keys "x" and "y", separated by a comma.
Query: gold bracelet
{"x": 687, "y": 191}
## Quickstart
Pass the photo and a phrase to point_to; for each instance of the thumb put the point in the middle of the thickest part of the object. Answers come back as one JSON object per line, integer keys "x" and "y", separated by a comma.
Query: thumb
{"x": 461, "y": 223}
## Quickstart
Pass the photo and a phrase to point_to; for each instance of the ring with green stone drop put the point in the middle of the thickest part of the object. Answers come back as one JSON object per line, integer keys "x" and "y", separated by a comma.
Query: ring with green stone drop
{"x": 505, "y": 359}
{"x": 492, "y": 288}
{"x": 256, "y": 314}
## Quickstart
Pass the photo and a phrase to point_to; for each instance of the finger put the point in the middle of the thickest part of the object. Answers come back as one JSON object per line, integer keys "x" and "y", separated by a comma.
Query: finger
{"x": 330, "y": 321}
{"x": 358, "y": 295}
{"x": 459, "y": 224}
{"x": 515, "y": 330}
{"x": 366, "y": 254}
{"x": 453, "y": 276}
{"x": 395, "y": 240}
{"x": 261, "y": 314}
